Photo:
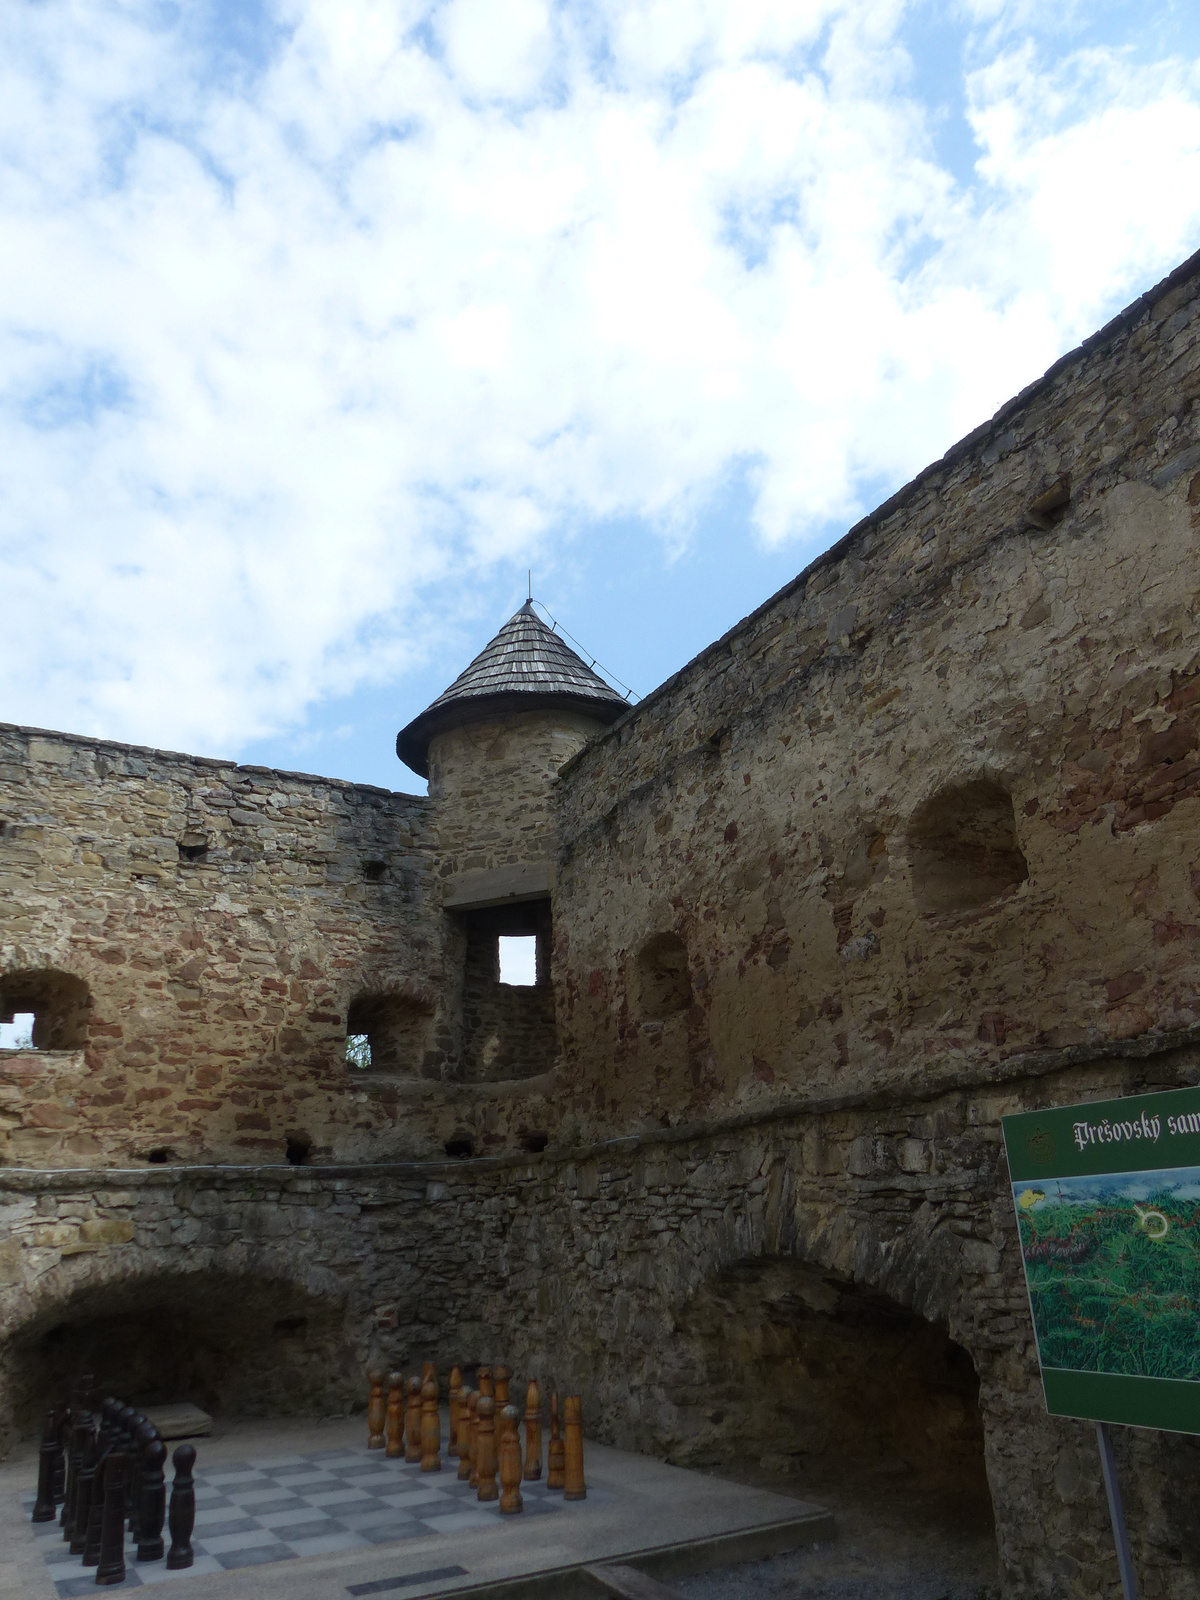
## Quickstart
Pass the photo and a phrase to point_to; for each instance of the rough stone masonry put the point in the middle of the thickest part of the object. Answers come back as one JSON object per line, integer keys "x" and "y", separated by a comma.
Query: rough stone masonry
{"x": 912, "y": 846}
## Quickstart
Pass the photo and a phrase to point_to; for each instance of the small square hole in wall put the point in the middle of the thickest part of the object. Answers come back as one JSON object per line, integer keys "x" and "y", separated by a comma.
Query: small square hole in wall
{"x": 17, "y": 1034}
{"x": 518, "y": 959}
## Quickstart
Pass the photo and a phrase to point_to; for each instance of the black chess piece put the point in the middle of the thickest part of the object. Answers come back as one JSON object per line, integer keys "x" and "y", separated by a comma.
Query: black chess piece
{"x": 82, "y": 1431}
{"x": 182, "y": 1515}
{"x": 108, "y": 1441}
{"x": 60, "y": 1462}
{"x": 83, "y": 1496}
{"x": 125, "y": 1426}
{"x": 153, "y": 1506}
{"x": 49, "y": 1452}
{"x": 111, "y": 1568}
{"x": 143, "y": 1433}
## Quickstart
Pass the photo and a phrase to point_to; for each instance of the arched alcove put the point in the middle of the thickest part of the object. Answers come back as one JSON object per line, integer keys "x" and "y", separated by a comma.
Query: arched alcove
{"x": 233, "y": 1345}
{"x": 662, "y": 986}
{"x": 785, "y": 1367}
{"x": 59, "y": 1002}
{"x": 963, "y": 847}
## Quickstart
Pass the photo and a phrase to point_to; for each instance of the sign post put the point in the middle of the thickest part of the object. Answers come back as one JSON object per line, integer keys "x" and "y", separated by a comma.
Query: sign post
{"x": 1107, "y": 1197}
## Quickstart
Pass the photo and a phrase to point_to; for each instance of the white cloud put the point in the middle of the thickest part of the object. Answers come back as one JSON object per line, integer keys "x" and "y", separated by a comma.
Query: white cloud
{"x": 283, "y": 345}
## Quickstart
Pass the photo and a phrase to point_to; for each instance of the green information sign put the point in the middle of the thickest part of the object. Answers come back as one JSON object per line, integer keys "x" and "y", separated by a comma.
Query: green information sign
{"x": 1108, "y": 1208}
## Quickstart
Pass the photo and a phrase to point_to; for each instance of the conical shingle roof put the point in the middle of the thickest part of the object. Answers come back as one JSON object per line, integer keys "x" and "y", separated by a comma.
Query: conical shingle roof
{"x": 526, "y": 667}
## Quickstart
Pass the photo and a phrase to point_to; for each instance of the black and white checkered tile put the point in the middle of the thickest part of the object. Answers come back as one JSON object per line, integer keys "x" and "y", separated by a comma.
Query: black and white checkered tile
{"x": 277, "y": 1508}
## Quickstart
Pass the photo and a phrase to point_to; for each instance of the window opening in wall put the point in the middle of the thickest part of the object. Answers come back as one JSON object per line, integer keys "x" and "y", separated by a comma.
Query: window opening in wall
{"x": 373, "y": 871}
{"x": 193, "y": 847}
{"x": 47, "y": 1009}
{"x": 389, "y": 1031}
{"x": 460, "y": 1148}
{"x": 518, "y": 959}
{"x": 17, "y": 1034}
{"x": 358, "y": 1050}
{"x": 298, "y": 1149}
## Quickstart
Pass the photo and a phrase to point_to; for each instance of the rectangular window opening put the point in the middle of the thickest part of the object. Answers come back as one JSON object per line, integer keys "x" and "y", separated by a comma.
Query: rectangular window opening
{"x": 518, "y": 960}
{"x": 358, "y": 1050}
{"x": 17, "y": 1034}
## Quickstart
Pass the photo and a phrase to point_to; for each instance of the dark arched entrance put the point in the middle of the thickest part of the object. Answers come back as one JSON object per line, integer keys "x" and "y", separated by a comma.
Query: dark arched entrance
{"x": 233, "y": 1345}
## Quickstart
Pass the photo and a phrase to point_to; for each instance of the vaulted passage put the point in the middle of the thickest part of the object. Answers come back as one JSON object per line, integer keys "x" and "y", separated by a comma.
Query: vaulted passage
{"x": 232, "y": 1345}
{"x": 783, "y": 1367}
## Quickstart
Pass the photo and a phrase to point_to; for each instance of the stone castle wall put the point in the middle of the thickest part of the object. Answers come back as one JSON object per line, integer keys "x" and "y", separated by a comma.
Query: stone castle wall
{"x": 807, "y": 808}
{"x": 597, "y": 1270}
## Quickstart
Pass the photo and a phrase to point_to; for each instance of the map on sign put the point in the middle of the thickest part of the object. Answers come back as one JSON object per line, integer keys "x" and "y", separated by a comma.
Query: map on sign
{"x": 1109, "y": 1227}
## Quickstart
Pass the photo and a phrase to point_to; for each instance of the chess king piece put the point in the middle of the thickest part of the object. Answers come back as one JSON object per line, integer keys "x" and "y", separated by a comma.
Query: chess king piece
{"x": 395, "y": 1415}
{"x": 533, "y": 1432}
{"x": 555, "y": 1457}
{"x": 486, "y": 1449}
{"x": 501, "y": 1377}
{"x": 462, "y": 1439}
{"x": 574, "y": 1487}
{"x": 412, "y": 1452}
{"x": 431, "y": 1428}
{"x": 510, "y": 1462}
{"x": 376, "y": 1412}
{"x": 473, "y": 1400}
{"x": 111, "y": 1562}
{"x": 153, "y": 1501}
{"x": 49, "y": 1455}
{"x": 181, "y": 1517}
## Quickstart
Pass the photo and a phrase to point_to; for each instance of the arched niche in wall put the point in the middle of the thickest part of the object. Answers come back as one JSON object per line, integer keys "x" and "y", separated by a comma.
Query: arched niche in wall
{"x": 59, "y": 1003}
{"x": 388, "y": 1030}
{"x": 963, "y": 847}
{"x": 662, "y": 986}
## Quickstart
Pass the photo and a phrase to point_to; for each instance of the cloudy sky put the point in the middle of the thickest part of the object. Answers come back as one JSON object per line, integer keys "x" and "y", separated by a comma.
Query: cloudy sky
{"x": 323, "y": 320}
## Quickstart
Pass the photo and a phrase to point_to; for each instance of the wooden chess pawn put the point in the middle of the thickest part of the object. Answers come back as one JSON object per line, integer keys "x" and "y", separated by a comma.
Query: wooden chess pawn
{"x": 152, "y": 1503}
{"x": 510, "y": 1462}
{"x": 455, "y": 1397}
{"x": 533, "y": 1432}
{"x": 181, "y": 1518}
{"x": 574, "y": 1487}
{"x": 111, "y": 1561}
{"x": 555, "y": 1457}
{"x": 412, "y": 1422}
{"x": 473, "y": 1400}
{"x": 394, "y": 1424}
{"x": 376, "y": 1412}
{"x": 49, "y": 1455}
{"x": 462, "y": 1439}
{"x": 501, "y": 1378}
{"x": 486, "y": 1450}
{"x": 431, "y": 1428}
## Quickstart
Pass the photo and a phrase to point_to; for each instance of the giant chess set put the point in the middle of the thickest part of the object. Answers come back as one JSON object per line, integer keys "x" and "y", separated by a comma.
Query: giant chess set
{"x": 102, "y": 1500}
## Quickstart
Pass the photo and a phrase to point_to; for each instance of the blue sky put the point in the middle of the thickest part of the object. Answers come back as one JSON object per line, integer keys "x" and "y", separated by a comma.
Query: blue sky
{"x": 323, "y": 321}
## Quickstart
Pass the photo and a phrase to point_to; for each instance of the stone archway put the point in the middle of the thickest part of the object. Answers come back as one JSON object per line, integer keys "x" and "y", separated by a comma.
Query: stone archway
{"x": 230, "y": 1343}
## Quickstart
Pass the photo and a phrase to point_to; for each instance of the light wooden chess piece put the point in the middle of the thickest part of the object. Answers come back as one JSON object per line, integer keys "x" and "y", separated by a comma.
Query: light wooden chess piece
{"x": 462, "y": 1440}
{"x": 555, "y": 1455}
{"x": 510, "y": 1461}
{"x": 376, "y": 1412}
{"x": 502, "y": 1376}
{"x": 473, "y": 1400}
{"x": 428, "y": 1370}
{"x": 395, "y": 1415}
{"x": 431, "y": 1428}
{"x": 455, "y": 1395}
{"x": 533, "y": 1432}
{"x": 486, "y": 1386}
{"x": 486, "y": 1451}
{"x": 574, "y": 1487}
{"x": 412, "y": 1422}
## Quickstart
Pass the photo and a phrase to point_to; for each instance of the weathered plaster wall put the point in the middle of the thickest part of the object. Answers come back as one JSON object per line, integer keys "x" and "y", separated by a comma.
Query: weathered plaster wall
{"x": 591, "y": 1268}
{"x": 760, "y": 805}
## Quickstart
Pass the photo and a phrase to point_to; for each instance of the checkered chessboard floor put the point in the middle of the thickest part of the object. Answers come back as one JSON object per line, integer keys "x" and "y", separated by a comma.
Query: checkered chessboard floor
{"x": 281, "y": 1507}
